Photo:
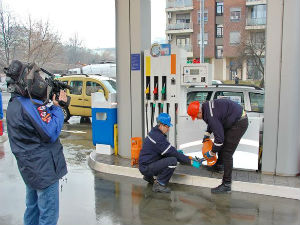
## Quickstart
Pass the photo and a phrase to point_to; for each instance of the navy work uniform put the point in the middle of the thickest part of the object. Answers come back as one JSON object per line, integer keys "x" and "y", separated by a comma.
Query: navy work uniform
{"x": 159, "y": 158}
{"x": 228, "y": 122}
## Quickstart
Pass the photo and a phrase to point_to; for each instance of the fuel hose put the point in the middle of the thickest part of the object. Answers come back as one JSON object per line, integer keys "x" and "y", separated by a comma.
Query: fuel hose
{"x": 146, "y": 106}
{"x": 152, "y": 113}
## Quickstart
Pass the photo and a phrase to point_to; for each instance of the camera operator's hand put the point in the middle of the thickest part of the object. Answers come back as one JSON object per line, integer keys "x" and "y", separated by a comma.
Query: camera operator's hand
{"x": 62, "y": 97}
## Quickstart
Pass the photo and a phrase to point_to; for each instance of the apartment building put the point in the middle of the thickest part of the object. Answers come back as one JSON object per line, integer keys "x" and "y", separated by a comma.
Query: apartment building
{"x": 180, "y": 27}
{"x": 229, "y": 24}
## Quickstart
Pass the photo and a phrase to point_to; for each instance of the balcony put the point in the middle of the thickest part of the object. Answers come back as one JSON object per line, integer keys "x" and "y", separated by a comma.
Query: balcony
{"x": 183, "y": 5}
{"x": 256, "y": 2}
{"x": 176, "y": 28}
{"x": 256, "y": 23}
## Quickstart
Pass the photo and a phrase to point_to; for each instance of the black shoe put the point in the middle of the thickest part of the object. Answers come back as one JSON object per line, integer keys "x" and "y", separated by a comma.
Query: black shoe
{"x": 216, "y": 168}
{"x": 222, "y": 189}
{"x": 150, "y": 180}
{"x": 157, "y": 187}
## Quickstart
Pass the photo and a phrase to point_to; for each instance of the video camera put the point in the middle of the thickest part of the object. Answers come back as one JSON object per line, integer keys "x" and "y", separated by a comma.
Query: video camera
{"x": 25, "y": 80}
{"x": 56, "y": 87}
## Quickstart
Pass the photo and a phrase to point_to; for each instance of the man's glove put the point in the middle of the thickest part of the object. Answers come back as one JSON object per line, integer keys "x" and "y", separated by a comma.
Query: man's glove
{"x": 196, "y": 164}
{"x": 209, "y": 154}
{"x": 206, "y": 136}
{"x": 180, "y": 151}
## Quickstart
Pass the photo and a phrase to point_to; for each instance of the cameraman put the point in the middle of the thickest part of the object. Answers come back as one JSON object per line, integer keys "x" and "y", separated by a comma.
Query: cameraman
{"x": 33, "y": 132}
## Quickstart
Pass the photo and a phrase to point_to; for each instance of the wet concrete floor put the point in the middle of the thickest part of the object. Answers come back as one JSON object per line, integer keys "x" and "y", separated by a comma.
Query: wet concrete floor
{"x": 92, "y": 198}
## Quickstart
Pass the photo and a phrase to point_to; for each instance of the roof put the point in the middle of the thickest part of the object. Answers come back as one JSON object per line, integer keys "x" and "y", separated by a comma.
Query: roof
{"x": 97, "y": 77}
{"x": 234, "y": 88}
{"x": 237, "y": 86}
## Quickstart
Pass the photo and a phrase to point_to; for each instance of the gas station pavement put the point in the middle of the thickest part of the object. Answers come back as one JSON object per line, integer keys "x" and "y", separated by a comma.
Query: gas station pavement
{"x": 243, "y": 181}
{"x": 91, "y": 197}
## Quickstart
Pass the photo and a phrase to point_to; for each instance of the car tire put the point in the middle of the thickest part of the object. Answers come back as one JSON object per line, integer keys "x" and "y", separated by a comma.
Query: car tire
{"x": 66, "y": 114}
{"x": 85, "y": 119}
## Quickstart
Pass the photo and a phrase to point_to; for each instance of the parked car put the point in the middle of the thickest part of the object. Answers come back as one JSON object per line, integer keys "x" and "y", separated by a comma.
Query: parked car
{"x": 250, "y": 97}
{"x": 214, "y": 82}
{"x": 82, "y": 88}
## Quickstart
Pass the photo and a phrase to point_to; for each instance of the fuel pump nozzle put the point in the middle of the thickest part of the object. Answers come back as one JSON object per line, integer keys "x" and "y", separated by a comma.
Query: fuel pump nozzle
{"x": 147, "y": 92}
{"x": 163, "y": 92}
{"x": 155, "y": 92}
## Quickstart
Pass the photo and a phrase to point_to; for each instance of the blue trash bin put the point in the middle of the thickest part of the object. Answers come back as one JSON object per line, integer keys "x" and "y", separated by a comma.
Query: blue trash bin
{"x": 103, "y": 121}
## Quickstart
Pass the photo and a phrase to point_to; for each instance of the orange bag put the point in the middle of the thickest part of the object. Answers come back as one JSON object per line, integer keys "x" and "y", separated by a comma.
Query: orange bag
{"x": 207, "y": 146}
{"x": 136, "y": 146}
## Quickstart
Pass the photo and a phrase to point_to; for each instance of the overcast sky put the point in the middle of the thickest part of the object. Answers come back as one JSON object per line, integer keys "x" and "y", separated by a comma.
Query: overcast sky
{"x": 92, "y": 20}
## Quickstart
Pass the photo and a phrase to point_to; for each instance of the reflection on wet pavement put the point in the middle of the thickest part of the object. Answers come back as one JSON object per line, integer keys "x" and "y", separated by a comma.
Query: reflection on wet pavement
{"x": 94, "y": 198}
{"x": 130, "y": 201}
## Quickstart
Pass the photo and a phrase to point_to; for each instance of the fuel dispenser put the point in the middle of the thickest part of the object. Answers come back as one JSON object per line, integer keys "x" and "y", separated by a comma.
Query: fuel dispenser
{"x": 167, "y": 76}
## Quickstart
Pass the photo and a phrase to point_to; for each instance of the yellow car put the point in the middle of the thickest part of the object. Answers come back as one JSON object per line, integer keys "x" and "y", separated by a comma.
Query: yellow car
{"x": 82, "y": 88}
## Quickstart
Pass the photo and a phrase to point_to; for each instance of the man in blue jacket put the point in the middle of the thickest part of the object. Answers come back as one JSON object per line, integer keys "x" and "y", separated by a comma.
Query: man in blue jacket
{"x": 159, "y": 158}
{"x": 228, "y": 122}
{"x": 33, "y": 132}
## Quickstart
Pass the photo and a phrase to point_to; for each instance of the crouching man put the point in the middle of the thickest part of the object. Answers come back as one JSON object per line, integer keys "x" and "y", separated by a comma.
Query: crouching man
{"x": 159, "y": 158}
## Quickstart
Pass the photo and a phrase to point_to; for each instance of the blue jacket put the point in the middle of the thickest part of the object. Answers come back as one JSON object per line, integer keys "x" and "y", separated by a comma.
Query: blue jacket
{"x": 156, "y": 146}
{"x": 220, "y": 115}
{"x": 33, "y": 132}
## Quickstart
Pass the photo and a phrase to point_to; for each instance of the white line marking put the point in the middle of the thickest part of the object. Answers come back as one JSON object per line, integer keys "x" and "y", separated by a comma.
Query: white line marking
{"x": 74, "y": 131}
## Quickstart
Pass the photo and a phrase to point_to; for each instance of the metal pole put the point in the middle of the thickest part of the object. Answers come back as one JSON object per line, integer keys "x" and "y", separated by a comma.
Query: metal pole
{"x": 202, "y": 31}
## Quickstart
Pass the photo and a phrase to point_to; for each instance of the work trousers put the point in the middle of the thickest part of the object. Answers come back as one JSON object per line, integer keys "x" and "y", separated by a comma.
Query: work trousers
{"x": 42, "y": 206}
{"x": 163, "y": 169}
{"x": 232, "y": 136}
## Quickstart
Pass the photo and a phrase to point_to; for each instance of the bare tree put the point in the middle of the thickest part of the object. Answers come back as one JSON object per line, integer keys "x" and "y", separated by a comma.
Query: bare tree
{"x": 74, "y": 44}
{"x": 41, "y": 45}
{"x": 252, "y": 50}
{"x": 107, "y": 56}
{"x": 9, "y": 37}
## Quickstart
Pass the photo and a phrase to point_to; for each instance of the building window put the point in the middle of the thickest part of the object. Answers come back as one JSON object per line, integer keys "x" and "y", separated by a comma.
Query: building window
{"x": 235, "y": 37}
{"x": 219, "y": 8}
{"x": 184, "y": 42}
{"x": 219, "y": 51}
{"x": 205, "y": 39}
{"x": 259, "y": 11}
{"x": 235, "y": 14}
{"x": 219, "y": 30}
{"x": 257, "y": 37}
{"x": 183, "y": 18}
{"x": 258, "y": 15}
{"x": 205, "y": 16}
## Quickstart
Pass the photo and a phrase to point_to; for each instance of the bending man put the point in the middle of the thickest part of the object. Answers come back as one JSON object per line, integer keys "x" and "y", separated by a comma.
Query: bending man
{"x": 228, "y": 122}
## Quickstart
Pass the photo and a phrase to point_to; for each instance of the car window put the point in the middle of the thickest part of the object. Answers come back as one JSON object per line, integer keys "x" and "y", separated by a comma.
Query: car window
{"x": 257, "y": 102}
{"x": 110, "y": 85}
{"x": 76, "y": 87}
{"x": 200, "y": 96}
{"x": 234, "y": 96}
{"x": 92, "y": 87}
